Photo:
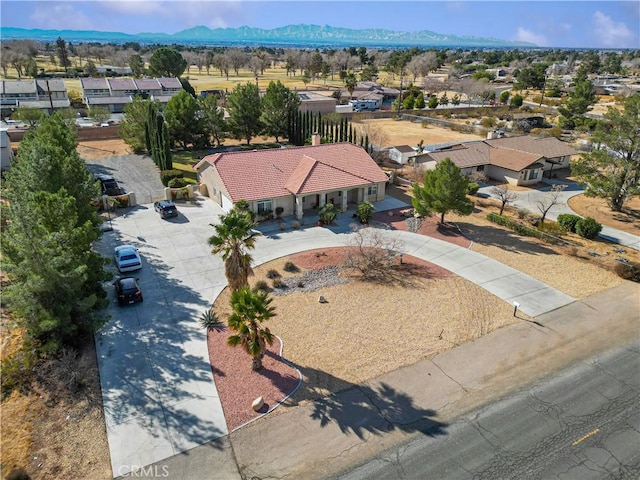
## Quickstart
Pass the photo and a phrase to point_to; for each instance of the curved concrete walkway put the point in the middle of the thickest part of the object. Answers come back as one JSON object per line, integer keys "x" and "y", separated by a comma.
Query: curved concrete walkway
{"x": 528, "y": 199}
{"x": 158, "y": 391}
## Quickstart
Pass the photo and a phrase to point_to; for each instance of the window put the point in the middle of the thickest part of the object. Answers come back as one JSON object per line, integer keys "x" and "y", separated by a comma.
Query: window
{"x": 534, "y": 174}
{"x": 264, "y": 206}
{"x": 480, "y": 168}
{"x": 373, "y": 189}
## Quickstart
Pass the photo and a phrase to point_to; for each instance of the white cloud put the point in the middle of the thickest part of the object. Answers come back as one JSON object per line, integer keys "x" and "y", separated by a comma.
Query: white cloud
{"x": 55, "y": 16}
{"x": 524, "y": 35}
{"x": 613, "y": 34}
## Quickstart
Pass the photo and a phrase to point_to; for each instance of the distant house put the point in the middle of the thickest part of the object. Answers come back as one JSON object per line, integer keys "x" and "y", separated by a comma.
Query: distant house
{"x": 401, "y": 153}
{"x": 116, "y": 93}
{"x": 365, "y": 89}
{"x": 111, "y": 69}
{"x": 295, "y": 179}
{"x": 46, "y": 94}
{"x": 520, "y": 160}
{"x": 316, "y": 103}
{"x": 6, "y": 153}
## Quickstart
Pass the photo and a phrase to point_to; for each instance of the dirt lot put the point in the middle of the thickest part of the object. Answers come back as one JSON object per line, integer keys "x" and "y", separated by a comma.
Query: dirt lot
{"x": 404, "y": 132}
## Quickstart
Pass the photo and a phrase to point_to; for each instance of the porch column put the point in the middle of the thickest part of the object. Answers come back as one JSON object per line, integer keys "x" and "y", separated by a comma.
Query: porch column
{"x": 361, "y": 194}
{"x": 344, "y": 200}
{"x": 323, "y": 199}
{"x": 299, "y": 207}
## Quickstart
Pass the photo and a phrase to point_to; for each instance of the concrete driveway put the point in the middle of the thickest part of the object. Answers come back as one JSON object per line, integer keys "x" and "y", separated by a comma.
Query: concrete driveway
{"x": 157, "y": 386}
{"x": 158, "y": 391}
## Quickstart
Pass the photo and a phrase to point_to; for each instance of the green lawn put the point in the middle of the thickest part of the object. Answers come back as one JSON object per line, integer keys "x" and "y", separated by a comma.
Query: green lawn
{"x": 184, "y": 160}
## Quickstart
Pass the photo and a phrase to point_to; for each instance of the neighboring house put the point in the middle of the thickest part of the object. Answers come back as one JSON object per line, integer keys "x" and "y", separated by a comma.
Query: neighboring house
{"x": 365, "y": 88}
{"x": 6, "y": 153}
{"x": 366, "y": 101}
{"x": 316, "y": 103}
{"x": 44, "y": 93}
{"x": 401, "y": 153}
{"x": 111, "y": 69}
{"x": 116, "y": 93}
{"x": 295, "y": 179}
{"x": 520, "y": 160}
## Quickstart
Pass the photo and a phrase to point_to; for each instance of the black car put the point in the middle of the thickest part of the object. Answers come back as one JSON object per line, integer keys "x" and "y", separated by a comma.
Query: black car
{"x": 109, "y": 185}
{"x": 166, "y": 208}
{"x": 128, "y": 291}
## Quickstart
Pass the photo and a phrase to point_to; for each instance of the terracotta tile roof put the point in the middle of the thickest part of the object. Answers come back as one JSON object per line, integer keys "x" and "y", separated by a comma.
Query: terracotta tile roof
{"x": 263, "y": 174}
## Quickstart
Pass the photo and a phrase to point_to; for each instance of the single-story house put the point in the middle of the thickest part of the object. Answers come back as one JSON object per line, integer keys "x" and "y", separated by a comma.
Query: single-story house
{"x": 520, "y": 160}
{"x": 294, "y": 179}
{"x": 316, "y": 103}
{"x": 401, "y": 153}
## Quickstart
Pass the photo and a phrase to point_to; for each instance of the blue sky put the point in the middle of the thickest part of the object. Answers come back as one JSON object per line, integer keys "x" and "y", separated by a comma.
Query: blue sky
{"x": 575, "y": 24}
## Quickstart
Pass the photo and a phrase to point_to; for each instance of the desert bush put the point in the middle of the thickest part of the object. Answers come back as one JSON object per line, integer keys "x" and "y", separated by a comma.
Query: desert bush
{"x": 588, "y": 228}
{"x": 522, "y": 213}
{"x": 291, "y": 267}
{"x": 488, "y": 122}
{"x": 478, "y": 177}
{"x": 17, "y": 370}
{"x": 300, "y": 284}
{"x": 271, "y": 274}
{"x": 262, "y": 286}
{"x": 472, "y": 188}
{"x": 568, "y": 221}
{"x": 210, "y": 321}
{"x": 628, "y": 271}
{"x": 552, "y": 228}
{"x": 295, "y": 225}
{"x": 277, "y": 283}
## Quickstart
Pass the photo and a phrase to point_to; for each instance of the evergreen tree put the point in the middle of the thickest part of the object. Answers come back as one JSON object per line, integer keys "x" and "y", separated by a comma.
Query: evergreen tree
{"x": 444, "y": 190}
{"x": 55, "y": 287}
{"x": 214, "y": 122}
{"x": 245, "y": 107}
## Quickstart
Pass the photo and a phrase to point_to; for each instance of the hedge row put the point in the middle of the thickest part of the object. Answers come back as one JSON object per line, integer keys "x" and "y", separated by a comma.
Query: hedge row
{"x": 520, "y": 228}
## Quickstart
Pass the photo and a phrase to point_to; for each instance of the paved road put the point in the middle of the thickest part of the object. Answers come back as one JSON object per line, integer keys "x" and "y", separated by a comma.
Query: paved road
{"x": 580, "y": 424}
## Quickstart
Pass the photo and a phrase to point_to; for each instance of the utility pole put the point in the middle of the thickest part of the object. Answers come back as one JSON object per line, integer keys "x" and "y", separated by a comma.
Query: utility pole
{"x": 400, "y": 96}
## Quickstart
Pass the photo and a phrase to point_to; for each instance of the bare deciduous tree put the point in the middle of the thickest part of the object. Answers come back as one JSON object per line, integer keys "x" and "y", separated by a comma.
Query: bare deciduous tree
{"x": 551, "y": 198}
{"x": 506, "y": 196}
{"x": 373, "y": 252}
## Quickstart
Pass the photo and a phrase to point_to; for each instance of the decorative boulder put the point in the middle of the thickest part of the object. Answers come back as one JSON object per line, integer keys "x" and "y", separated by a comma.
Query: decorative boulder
{"x": 321, "y": 299}
{"x": 257, "y": 404}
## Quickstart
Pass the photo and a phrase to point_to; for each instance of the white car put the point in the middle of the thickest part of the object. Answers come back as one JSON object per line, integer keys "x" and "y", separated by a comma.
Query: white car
{"x": 127, "y": 258}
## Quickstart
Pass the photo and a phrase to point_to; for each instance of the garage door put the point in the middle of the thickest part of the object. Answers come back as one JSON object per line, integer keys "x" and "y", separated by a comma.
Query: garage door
{"x": 226, "y": 203}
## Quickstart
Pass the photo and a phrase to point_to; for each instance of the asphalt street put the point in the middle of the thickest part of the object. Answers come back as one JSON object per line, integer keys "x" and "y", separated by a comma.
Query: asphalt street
{"x": 580, "y": 424}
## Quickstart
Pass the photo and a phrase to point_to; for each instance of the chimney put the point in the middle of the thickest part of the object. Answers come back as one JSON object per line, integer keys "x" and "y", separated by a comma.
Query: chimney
{"x": 315, "y": 140}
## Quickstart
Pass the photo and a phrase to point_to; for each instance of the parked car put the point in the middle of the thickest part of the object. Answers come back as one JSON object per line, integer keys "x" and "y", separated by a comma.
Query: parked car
{"x": 128, "y": 291}
{"x": 127, "y": 258}
{"x": 166, "y": 208}
{"x": 109, "y": 185}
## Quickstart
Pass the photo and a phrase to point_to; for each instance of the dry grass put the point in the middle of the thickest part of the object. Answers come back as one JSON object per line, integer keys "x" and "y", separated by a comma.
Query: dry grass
{"x": 410, "y": 133}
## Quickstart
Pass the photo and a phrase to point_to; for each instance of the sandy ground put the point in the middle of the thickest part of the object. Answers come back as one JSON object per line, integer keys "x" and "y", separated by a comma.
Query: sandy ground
{"x": 409, "y": 133}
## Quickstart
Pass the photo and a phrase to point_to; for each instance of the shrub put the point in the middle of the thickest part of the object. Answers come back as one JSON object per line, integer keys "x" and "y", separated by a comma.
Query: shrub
{"x": 271, "y": 274}
{"x": 588, "y": 228}
{"x": 279, "y": 211}
{"x": 628, "y": 271}
{"x": 17, "y": 369}
{"x": 176, "y": 182}
{"x": 522, "y": 213}
{"x": 262, "y": 286}
{"x": 291, "y": 267}
{"x": 300, "y": 284}
{"x": 210, "y": 321}
{"x": 167, "y": 175}
{"x": 278, "y": 283}
{"x": 552, "y": 228}
{"x": 295, "y": 224}
{"x": 488, "y": 122}
{"x": 568, "y": 221}
{"x": 472, "y": 188}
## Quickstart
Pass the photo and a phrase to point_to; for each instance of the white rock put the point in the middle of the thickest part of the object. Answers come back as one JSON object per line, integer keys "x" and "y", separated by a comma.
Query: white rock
{"x": 257, "y": 404}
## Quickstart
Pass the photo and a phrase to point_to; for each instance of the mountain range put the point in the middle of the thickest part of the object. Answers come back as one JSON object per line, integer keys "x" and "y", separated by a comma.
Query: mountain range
{"x": 290, "y": 35}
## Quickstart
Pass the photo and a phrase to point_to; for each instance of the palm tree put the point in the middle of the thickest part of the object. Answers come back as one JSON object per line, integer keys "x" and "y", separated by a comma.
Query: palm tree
{"x": 350, "y": 82}
{"x": 234, "y": 236}
{"x": 250, "y": 309}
